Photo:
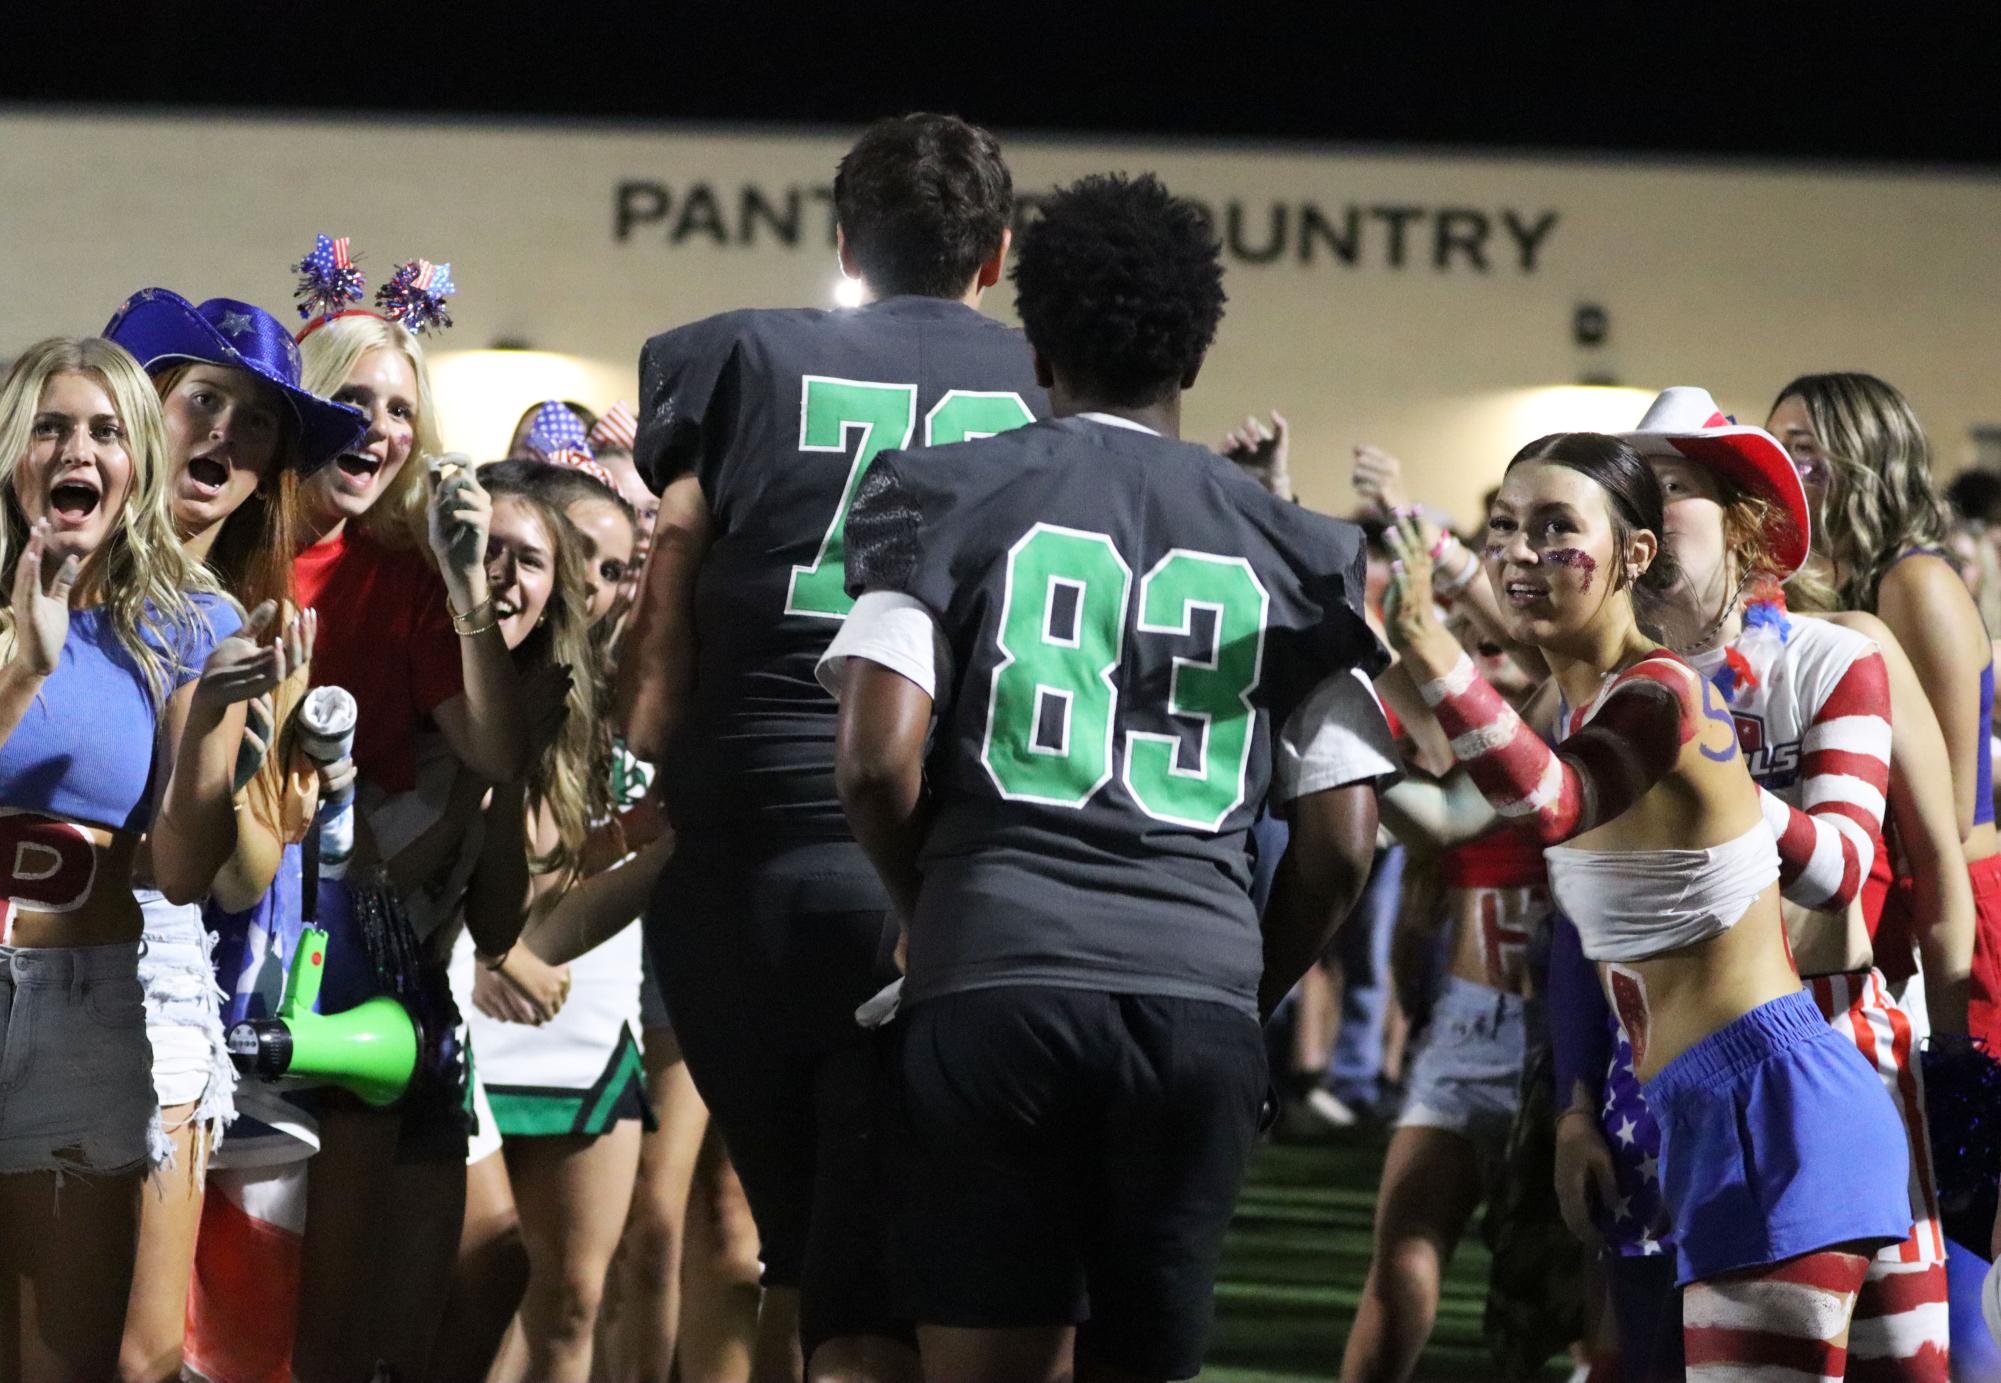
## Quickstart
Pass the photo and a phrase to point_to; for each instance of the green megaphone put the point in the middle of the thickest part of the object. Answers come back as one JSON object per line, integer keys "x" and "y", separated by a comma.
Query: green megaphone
{"x": 370, "y": 1049}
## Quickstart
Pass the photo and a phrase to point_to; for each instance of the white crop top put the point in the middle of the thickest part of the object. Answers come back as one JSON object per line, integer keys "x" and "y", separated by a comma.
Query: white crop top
{"x": 1632, "y": 904}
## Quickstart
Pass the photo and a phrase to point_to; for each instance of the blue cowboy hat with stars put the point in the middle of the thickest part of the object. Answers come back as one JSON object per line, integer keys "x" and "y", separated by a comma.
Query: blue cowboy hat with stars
{"x": 161, "y": 328}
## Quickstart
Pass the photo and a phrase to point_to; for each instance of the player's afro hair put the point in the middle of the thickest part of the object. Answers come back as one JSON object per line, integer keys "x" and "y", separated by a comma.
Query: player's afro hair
{"x": 1119, "y": 284}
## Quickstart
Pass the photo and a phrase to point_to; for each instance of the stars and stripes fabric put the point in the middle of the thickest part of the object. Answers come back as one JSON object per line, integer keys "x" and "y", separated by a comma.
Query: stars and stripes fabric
{"x": 555, "y": 429}
{"x": 1637, "y": 1226}
{"x": 415, "y": 296}
{"x": 557, "y": 435}
{"x": 329, "y": 282}
{"x": 581, "y": 461}
{"x": 1859, "y": 1007}
{"x": 617, "y": 428}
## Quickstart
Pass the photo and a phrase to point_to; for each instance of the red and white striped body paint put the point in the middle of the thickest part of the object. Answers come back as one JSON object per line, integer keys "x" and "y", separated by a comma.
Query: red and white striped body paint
{"x": 1788, "y": 1323}
{"x": 1900, "y": 1327}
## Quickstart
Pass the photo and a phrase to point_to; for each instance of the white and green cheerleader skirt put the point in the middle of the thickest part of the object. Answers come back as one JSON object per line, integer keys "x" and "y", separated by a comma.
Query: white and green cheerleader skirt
{"x": 579, "y": 1073}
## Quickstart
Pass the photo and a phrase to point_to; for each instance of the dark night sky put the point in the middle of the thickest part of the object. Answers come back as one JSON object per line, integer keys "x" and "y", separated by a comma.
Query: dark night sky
{"x": 1836, "y": 80}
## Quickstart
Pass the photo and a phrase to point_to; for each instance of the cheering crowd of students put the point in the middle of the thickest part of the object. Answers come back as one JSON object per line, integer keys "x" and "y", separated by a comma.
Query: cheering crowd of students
{"x": 800, "y": 876}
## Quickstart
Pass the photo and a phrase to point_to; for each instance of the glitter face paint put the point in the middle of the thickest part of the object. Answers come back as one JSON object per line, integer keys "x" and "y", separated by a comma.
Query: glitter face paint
{"x": 1575, "y": 559}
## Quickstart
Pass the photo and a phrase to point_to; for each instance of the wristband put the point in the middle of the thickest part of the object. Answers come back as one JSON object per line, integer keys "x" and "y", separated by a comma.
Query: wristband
{"x": 492, "y": 962}
{"x": 1453, "y": 585}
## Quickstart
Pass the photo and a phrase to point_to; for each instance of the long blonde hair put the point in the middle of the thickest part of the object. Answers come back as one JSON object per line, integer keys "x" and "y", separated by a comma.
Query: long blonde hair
{"x": 572, "y": 780}
{"x": 141, "y": 576}
{"x": 327, "y": 357}
{"x": 1881, "y": 500}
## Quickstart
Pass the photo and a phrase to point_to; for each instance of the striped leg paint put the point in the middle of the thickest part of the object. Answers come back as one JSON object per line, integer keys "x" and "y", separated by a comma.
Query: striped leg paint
{"x": 1900, "y": 1329}
{"x": 1900, "y": 1332}
{"x": 1787, "y": 1323}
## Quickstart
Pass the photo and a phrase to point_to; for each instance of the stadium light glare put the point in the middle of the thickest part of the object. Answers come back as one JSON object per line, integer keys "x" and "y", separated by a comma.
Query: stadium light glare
{"x": 479, "y": 394}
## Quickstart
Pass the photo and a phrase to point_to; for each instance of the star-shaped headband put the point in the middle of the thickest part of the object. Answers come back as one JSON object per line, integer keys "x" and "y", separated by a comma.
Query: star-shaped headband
{"x": 330, "y": 287}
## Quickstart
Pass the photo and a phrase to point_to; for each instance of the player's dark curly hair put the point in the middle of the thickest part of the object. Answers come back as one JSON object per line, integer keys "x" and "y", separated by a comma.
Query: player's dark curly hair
{"x": 922, "y": 201}
{"x": 1119, "y": 284}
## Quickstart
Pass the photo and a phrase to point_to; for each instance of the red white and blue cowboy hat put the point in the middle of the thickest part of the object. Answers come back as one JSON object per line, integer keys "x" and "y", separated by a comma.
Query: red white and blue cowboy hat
{"x": 1685, "y": 422}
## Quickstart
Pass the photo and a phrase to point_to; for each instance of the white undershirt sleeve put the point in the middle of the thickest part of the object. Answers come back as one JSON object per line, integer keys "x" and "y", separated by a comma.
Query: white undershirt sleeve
{"x": 896, "y": 631}
{"x": 1338, "y": 736}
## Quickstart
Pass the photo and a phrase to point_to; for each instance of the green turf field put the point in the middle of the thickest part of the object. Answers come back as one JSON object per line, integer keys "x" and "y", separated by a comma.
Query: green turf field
{"x": 1293, "y": 1269}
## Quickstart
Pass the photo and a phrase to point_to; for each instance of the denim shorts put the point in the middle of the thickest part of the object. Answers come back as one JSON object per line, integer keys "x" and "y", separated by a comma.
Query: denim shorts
{"x": 191, "y": 1066}
{"x": 76, "y": 1086}
{"x": 1466, "y": 1078}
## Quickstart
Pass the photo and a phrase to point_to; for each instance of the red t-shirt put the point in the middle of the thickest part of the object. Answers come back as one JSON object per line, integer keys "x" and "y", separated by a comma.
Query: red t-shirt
{"x": 385, "y": 635}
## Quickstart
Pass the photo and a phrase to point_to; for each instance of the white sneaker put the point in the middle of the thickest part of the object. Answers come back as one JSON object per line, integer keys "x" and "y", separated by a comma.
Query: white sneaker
{"x": 881, "y": 1008}
{"x": 1314, "y": 1117}
{"x": 1330, "y": 1108}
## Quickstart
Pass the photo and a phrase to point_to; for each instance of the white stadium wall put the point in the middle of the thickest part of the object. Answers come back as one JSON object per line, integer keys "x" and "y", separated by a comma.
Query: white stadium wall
{"x": 1422, "y": 302}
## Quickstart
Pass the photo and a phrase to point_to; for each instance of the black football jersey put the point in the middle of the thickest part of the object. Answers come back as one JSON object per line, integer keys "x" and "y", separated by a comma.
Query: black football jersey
{"x": 1130, "y": 621}
{"x": 780, "y": 414}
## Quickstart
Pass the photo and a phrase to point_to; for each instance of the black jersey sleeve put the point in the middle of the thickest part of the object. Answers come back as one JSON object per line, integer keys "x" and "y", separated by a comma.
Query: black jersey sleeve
{"x": 883, "y": 532}
{"x": 907, "y": 529}
{"x": 1330, "y": 557}
{"x": 689, "y": 382}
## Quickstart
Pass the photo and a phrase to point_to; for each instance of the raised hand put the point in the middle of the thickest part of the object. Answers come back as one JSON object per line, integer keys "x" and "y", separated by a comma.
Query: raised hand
{"x": 1263, "y": 452}
{"x": 1378, "y": 477}
{"x": 461, "y": 513}
{"x": 244, "y": 666}
{"x": 41, "y": 617}
{"x": 1410, "y": 606}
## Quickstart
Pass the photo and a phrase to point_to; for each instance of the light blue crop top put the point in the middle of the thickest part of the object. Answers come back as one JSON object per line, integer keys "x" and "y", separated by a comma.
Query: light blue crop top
{"x": 85, "y": 749}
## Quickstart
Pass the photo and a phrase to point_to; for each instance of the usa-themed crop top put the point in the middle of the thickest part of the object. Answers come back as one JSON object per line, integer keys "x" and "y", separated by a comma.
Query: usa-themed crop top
{"x": 85, "y": 749}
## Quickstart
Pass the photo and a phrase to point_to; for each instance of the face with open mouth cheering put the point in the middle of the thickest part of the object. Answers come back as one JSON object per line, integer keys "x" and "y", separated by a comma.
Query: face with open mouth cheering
{"x": 383, "y": 385}
{"x": 78, "y": 471}
{"x": 1550, "y": 550}
{"x": 224, "y": 427}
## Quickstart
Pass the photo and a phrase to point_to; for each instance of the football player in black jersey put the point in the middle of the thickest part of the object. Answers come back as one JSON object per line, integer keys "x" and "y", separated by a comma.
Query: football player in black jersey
{"x": 1117, "y": 646}
{"x": 768, "y": 927}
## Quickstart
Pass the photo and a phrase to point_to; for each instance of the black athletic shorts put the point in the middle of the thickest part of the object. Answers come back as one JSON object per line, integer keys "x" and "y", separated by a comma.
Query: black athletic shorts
{"x": 763, "y": 957}
{"x": 1065, "y": 1156}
